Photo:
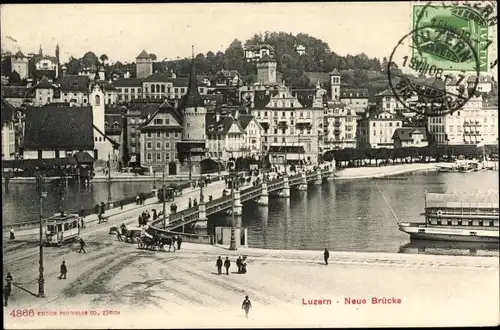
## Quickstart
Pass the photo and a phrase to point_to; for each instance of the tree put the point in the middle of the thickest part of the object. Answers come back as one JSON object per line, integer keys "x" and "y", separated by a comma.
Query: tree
{"x": 103, "y": 58}
{"x": 235, "y": 55}
{"x": 73, "y": 66}
{"x": 90, "y": 60}
{"x": 14, "y": 78}
{"x": 153, "y": 56}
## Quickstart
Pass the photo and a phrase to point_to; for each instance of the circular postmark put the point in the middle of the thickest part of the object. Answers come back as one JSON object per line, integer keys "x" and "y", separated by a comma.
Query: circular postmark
{"x": 424, "y": 86}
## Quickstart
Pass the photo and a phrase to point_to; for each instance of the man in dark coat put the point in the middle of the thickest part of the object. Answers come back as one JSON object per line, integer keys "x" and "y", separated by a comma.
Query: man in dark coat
{"x": 190, "y": 203}
{"x": 239, "y": 263}
{"x": 218, "y": 263}
{"x": 6, "y": 294}
{"x": 227, "y": 264}
{"x": 102, "y": 207}
{"x": 8, "y": 279}
{"x": 64, "y": 270}
{"x": 179, "y": 242}
{"x": 97, "y": 208}
{"x": 121, "y": 205}
{"x": 82, "y": 246}
{"x": 246, "y": 305}
{"x": 326, "y": 255}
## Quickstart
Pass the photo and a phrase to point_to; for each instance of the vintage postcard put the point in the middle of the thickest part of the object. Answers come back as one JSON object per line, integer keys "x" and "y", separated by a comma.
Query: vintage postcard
{"x": 250, "y": 165}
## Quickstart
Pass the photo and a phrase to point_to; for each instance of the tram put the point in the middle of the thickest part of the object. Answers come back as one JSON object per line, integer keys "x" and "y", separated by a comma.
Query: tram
{"x": 61, "y": 228}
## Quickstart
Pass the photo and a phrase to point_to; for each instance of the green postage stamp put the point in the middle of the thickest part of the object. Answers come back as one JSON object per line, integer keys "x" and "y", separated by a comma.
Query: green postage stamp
{"x": 449, "y": 33}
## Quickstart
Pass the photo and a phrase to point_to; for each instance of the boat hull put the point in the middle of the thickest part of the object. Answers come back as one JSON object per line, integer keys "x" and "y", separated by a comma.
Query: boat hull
{"x": 420, "y": 232}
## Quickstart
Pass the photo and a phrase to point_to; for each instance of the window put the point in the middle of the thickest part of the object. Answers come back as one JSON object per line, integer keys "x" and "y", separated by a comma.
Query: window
{"x": 158, "y": 121}
{"x": 148, "y": 134}
{"x": 149, "y": 145}
{"x": 152, "y": 88}
{"x": 158, "y": 157}
{"x": 163, "y": 88}
{"x": 158, "y": 145}
{"x": 183, "y": 90}
{"x": 97, "y": 100}
{"x": 374, "y": 124}
{"x": 148, "y": 156}
{"x": 158, "y": 134}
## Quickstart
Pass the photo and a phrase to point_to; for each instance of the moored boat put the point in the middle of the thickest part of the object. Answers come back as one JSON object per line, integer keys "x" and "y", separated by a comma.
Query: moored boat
{"x": 457, "y": 217}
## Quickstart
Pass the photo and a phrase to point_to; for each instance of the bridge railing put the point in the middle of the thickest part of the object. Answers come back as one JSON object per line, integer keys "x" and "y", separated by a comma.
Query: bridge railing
{"x": 217, "y": 204}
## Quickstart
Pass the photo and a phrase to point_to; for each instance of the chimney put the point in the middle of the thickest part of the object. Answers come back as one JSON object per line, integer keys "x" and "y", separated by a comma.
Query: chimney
{"x": 63, "y": 69}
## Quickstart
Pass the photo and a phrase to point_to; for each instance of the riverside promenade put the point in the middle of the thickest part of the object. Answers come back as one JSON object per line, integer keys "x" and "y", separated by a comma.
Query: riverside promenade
{"x": 130, "y": 288}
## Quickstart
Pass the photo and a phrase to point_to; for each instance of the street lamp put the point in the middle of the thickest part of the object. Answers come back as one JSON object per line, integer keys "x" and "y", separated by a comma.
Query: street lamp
{"x": 232, "y": 245}
{"x": 42, "y": 194}
{"x": 109, "y": 177}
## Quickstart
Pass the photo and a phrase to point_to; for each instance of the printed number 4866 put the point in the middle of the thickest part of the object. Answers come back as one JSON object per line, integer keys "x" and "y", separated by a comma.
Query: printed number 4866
{"x": 22, "y": 312}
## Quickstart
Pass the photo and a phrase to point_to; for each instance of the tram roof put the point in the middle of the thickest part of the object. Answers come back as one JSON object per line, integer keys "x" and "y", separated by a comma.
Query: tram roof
{"x": 59, "y": 217}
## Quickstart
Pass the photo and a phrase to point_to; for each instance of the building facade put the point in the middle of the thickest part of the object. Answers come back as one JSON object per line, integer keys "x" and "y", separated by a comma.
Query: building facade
{"x": 225, "y": 137}
{"x": 255, "y": 53}
{"x": 474, "y": 123}
{"x": 266, "y": 70}
{"x": 339, "y": 126}
{"x": 289, "y": 126}
{"x": 410, "y": 137}
{"x": 356, "y": 98}
{"x": 159, "y": 136}
{"x": 8, "y": 130}
{"x": 377, "y": 130}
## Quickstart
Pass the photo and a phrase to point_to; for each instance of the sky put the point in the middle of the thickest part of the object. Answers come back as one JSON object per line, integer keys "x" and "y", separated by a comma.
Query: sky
{"x": 122, "y": 31}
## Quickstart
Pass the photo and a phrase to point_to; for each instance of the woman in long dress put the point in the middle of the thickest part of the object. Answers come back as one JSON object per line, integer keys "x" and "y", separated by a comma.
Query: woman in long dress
{"x": 12, "y": 235}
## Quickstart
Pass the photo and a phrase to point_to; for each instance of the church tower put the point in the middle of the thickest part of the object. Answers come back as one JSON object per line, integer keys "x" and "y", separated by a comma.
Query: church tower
{"x": 335, "y": 85}
{"x": 191, "y": 148}
{"x": 20, "y": 64}
{"x": 266, "y": 70}
{"x": 96, "y": 100}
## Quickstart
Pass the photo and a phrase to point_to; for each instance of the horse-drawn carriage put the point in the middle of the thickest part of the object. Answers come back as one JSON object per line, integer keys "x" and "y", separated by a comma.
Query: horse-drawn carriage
{"x": 168, "y": 192}
{"x": 153, "y": 241}
{"x": 126, "y": 235}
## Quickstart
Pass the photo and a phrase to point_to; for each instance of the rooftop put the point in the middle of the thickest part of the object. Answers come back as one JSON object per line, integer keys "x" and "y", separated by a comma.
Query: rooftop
{"x": 59, "y": 127}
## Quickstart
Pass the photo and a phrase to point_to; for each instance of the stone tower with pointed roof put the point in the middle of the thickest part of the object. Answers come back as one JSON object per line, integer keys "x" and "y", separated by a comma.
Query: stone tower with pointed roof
{"x": 20, "y": 64}
{"x": 191, "y": 149}
{"x": 266, "y": 70}
{"x": 144, "y": 65}
{"x": 335, "y": 85}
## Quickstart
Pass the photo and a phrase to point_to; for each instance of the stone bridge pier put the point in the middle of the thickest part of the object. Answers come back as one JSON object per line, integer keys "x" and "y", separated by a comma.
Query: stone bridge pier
{"x": 264, "y": 197}
{"x": 319, "y": 176}
{"x": 303, "y": 182}
{"x": 285, "y": 192}
{"x": 202, "y": 221}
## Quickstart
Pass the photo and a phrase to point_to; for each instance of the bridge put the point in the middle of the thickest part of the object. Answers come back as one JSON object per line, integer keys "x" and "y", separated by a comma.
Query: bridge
{"x": 259, "y": 193}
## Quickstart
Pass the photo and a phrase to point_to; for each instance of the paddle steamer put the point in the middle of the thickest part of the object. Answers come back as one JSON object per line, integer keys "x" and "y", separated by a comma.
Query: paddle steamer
{"x": 457, "y": 217}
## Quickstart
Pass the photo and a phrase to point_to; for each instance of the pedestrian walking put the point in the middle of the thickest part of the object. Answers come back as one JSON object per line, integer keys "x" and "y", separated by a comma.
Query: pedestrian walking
{"x": 82, "y": 246}
{"x": 140, "y": 220}
{"x": 246, "y": 305}
{"x": 121, "y": 205}
{"x": 102, "y": 207}
{"x": 179, "y": 242}
{"x": 195, "y": 203}
{"x": 239, "y": 263}
{"x": 12, "y": 234}
{"x": 326, "y": 255}
{"x": 227, "y": 264}
{"x": 64, "y": 270}
{"x": 190, "y": 203}
{"x": 97, "y": 208}
{"x": 6, "y": 294}
{"x": 137, "y": 198}
{"x": 218, "y": 263}
{"x": 8, "y": 279}
{"x": 83, "y": 223}
{"x": 82, "y": 212}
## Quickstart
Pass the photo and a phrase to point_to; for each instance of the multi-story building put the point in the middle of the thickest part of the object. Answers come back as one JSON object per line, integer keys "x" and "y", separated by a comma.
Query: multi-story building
{"x": 73, "y": 89}
{"x": 160, "y": 86}
{"x": 339, "y": 126}
{"x": 20, "y": 64}
{"x": 356, "y": 98}
{"x": 255, "y": 53}
{"x": 159, "y": 136}
{"x": 472, "y": 124}
{"x": 484, "y": 84}
{"x": 8, "y": 130}
{"x": 128, "y": 89}
{"x": 144, "y": 65}
{"x": 291, "y": 125}
{"x": 225, "y": 137}
{"x": 410, "y": 137}
{"x": 136, "y": 113}
{"x": 377, "y": 129}
{"x": 253, "y": 134}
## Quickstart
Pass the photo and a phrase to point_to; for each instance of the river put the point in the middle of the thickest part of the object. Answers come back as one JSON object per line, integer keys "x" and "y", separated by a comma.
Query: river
{"x": 342, "y": 215}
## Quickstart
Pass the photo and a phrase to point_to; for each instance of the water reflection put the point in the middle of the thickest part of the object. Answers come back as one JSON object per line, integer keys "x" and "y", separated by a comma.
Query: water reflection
{"x": 454, "y": 248}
